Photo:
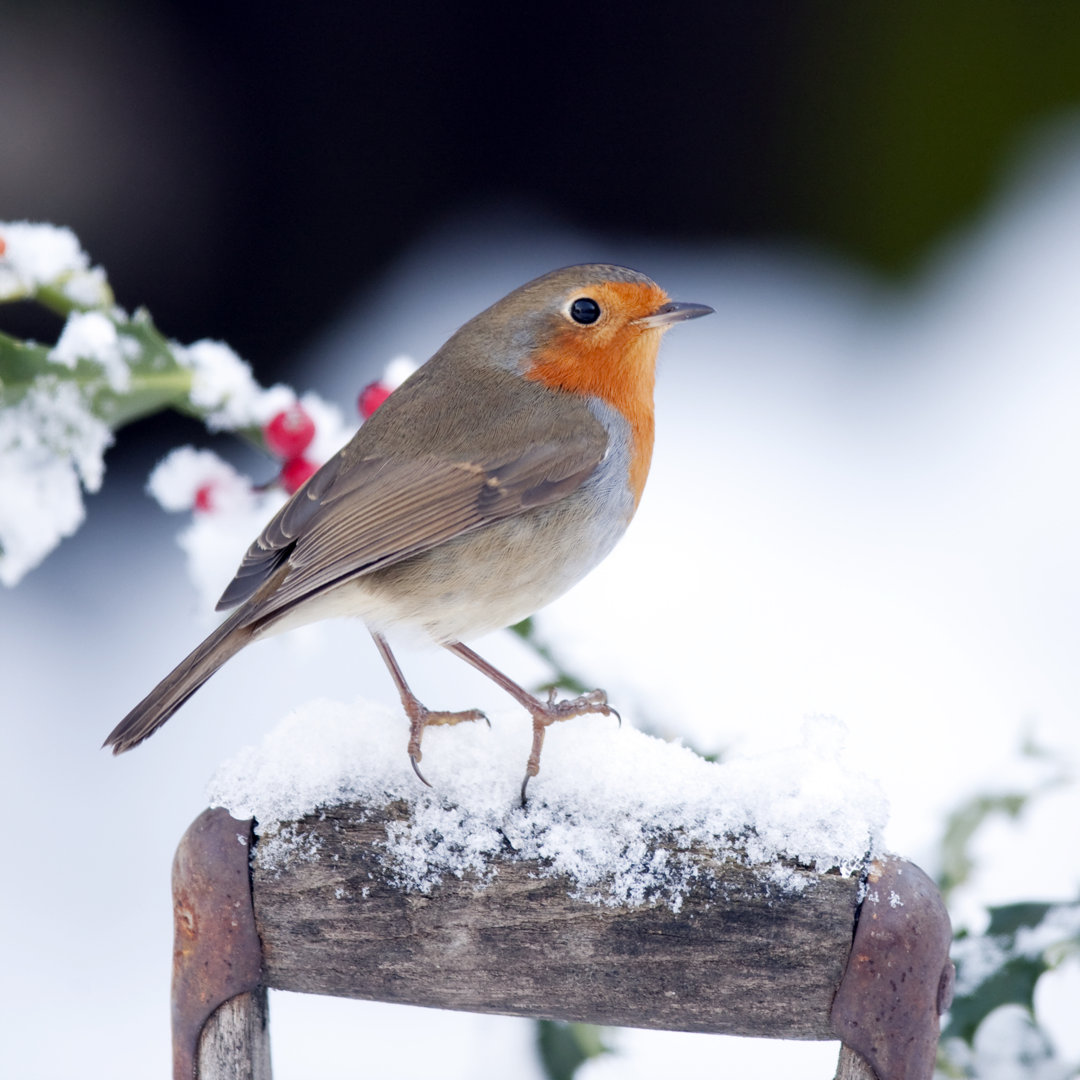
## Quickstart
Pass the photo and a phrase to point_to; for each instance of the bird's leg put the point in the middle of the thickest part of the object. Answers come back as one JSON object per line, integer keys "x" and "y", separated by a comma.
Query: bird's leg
{"x": 543, "y": 713}
{"x": 420, "y": 716}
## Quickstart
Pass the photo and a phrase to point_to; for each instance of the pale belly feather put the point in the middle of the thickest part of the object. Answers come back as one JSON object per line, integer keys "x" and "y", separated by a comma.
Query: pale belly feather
{"x": 486, "y": 579}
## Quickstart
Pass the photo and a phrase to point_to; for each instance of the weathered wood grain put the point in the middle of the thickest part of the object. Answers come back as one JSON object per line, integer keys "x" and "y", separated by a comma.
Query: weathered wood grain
{"x": 235, "y": 1043}
{"x": 853, "y": 1066}
{"x": 742, "y": 956}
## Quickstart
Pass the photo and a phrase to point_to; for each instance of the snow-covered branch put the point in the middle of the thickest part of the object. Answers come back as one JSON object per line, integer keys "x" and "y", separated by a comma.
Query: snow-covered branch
{"x": 61, "y": 404}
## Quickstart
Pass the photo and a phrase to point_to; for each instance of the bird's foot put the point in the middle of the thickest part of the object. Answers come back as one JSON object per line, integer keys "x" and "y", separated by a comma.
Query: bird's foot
{"x": 420, "y": 717}
{"x": 545, "y": 713}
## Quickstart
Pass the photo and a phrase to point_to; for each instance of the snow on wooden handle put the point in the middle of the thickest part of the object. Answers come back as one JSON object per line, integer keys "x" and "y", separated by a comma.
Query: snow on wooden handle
{"x": 742, "y": 954}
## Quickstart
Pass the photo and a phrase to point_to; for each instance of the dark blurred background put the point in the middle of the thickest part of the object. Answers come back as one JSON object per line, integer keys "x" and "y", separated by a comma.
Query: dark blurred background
{"x": 241, "y": 169}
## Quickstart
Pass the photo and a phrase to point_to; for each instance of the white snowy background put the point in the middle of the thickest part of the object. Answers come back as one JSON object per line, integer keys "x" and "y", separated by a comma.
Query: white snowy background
{"x": 864, "y": 504}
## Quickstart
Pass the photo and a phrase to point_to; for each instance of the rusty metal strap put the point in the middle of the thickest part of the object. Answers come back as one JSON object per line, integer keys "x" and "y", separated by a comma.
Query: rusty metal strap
{"x": 899, "y": 977}
{"x": 217, "y": 953}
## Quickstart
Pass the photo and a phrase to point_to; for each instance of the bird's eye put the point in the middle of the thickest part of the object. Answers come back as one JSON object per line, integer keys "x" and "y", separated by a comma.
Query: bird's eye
{"x": 585, "y": 310}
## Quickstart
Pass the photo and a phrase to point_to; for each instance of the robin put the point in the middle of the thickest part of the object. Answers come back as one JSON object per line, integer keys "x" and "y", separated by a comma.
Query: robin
{"x": 487, "y": 484}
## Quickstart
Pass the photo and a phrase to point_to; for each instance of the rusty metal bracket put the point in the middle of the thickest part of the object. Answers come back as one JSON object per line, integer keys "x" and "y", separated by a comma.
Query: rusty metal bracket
{"x": 217, "y": 953}
{"x": 899, "y": 978}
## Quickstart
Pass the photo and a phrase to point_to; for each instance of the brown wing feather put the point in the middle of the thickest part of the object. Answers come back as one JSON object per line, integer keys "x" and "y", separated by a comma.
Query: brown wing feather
{"x": 272, "y": 546}
{"x": 356, "y": 516}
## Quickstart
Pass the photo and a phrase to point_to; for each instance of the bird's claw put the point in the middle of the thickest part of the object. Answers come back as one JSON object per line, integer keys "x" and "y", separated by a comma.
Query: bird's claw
{"x": 547, "y": 713}
{"x": 416, "y": 769}
{"x": 420, "y": 717}
{"x": 593, "y": 701}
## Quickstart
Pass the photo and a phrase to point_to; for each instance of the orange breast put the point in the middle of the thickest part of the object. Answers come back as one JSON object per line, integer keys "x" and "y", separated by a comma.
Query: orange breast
{"x": 616, "y": 363}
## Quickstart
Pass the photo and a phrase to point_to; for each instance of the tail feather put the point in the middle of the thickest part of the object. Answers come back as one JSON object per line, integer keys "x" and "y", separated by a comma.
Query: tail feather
{"x": 169, "y": 694}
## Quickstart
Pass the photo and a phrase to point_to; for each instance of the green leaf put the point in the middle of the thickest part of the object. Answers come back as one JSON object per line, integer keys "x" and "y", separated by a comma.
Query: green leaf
{"x": 963, "y": 823}
{"x": 157, "y": 381}
{"x": 1009, "y": 918}
{"x": 1012, "y": 984}
{"x": 1012, "y": 981}
{"x": 20, "y": 363}
{"x": 564, "y": 1047}
{"x": 55, "y": 297}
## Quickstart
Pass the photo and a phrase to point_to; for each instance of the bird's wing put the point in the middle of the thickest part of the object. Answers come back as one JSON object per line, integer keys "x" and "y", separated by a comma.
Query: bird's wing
{"x": 355, "y": 516}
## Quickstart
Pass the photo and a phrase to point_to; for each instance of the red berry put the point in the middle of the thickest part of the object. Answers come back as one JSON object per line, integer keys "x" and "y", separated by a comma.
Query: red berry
{"x": 289, "y": 433}
{"x": 371, "y": 397}
{"x": 204, "y": 498}
{"x": 296, "y": 472}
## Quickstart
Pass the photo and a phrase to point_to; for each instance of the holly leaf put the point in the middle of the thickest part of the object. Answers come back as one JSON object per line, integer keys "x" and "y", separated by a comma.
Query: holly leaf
{"x": 155, "y": 380}
{"x": 1000, "y": 967}
{"x": 1011, "y": 984}
{"x": 564, "y": 1047}
{"x": 962, "y": 824}
{"x": 1007, "y": 920}
{"x": 20, "y": 363}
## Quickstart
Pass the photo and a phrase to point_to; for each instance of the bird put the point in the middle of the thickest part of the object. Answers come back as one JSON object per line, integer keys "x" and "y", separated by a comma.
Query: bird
{"x": 494, "y": 478}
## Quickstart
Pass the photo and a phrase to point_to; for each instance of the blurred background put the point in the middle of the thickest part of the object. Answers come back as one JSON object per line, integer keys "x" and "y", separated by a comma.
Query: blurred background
{"x": 883, "y": 204}
{"x": 244, "y": 169}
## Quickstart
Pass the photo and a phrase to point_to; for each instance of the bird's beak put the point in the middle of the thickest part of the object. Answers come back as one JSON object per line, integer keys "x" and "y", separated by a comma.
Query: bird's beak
{"x": 672, "y": 312}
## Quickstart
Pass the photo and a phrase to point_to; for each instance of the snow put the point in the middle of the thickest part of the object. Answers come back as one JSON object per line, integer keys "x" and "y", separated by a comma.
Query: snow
{"x": 215, "y": 542}
{"x": 331, "y": 431}
{"x": 36, "y": 255}
{"x": 180, "y": 475}
{"x": 50, "y": 439}
{"x": 1008, "y": 1047}
{"x": 266, "y": 404}
{"x": 216, "y": 538}
{"x": 1058, "y": 925}
{"x": 605, "y": 798}
{"x": 92, "y": 336}
{"x": 222, "y": 384}
{"x": 979, "y": 957}
{"x": 49, "y": 443}
{"x": 397, "y": 371}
